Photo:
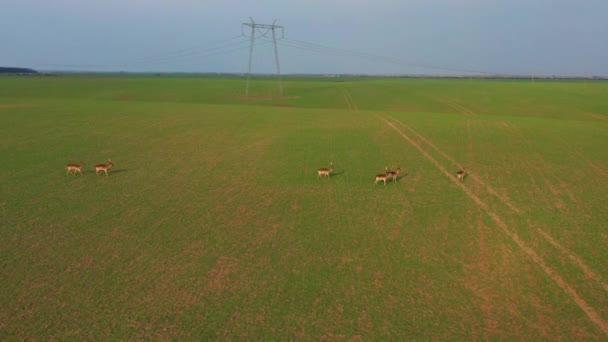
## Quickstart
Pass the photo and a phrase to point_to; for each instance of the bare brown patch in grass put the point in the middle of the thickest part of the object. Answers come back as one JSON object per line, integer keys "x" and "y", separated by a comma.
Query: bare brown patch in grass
{"x": 597, "y": 116}
{"x": 378, "y": 279}
{"x": 333, "y": 337}
{"x": 218, "y": 275}
{"x": 84, "y": 263}
{"x": 295, "y": 206}
{"x": 364, "y": 322}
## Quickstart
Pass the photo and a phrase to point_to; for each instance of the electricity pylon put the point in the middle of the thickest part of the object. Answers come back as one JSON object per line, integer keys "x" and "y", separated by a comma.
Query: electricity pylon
{"x": 263, "y": 30}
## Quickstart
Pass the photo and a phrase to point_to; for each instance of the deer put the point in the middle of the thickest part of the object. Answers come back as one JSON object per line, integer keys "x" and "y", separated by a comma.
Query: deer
{"x": 73, "y": 168}
{"x": 461, "y": 174}
{"x": 103, "y": 167}
{"x": 382, "y": 177}
{"x": 325, "y": 171}
{"x": 393, "y": 174}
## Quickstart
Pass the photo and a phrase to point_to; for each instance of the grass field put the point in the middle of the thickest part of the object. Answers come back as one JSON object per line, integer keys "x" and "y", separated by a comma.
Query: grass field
{"x": 213, "y": 225}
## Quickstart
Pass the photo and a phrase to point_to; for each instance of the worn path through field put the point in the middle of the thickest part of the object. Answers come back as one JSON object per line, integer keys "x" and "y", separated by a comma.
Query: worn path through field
{"x": 552, "y": 273}
{"x": 533, "y": 254}
{"x": 505, "y": 200}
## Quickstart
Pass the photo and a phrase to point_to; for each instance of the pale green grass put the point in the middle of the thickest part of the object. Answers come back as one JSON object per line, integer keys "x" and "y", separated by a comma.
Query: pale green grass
{"x": 213, "y": 224}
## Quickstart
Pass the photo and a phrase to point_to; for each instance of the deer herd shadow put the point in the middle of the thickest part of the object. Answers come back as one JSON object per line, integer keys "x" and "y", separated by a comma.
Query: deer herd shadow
{"x": 334, "y": 174}
{"x": 92, "y": 172}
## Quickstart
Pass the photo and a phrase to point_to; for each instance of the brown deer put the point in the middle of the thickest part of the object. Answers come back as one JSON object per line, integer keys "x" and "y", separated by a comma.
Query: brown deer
{"x": 382, "y": 177}
{"x": 73, "y": 168}
{"x": 461, "y": 174}
{"x": 103, "y": 167}
{"x": 393, "y": 174}
{"x": 325, "y": 171}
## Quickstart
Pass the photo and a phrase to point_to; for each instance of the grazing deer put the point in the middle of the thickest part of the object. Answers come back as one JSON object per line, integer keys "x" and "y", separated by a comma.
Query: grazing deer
{"x": 324, "y": 171}
{"x": 381, "y": 177}
{"x": 74, "y": 168}
{"x": 461, "y": 174}
{"x": 393, "y": 174}
{"x": 103, "y": 167}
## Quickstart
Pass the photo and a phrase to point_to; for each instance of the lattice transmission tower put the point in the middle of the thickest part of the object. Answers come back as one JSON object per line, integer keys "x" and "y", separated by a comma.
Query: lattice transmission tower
{"x": 261, "y": 31}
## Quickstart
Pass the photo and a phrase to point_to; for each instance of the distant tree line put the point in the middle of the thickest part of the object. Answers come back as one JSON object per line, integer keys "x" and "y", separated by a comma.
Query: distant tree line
{"x": 9, "y": 70}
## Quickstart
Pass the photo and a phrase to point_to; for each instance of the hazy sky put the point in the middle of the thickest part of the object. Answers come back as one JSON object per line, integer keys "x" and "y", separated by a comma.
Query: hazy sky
{"x": 541, "y": 37}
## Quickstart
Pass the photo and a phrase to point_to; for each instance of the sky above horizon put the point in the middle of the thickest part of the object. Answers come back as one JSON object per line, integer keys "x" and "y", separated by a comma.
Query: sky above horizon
{"x": 447, "y": 37}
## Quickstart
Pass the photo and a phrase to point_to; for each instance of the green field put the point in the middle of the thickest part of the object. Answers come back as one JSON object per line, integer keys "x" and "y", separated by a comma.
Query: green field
{"x": 213, "y": 224}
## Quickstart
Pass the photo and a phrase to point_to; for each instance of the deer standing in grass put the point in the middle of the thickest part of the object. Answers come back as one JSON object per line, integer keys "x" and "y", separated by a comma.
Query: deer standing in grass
{"x": 325, "y": 172}
{"x": 393, "y": 174}
{"x": 73, "y": 168}
{"x": 461, "y": 174}
{"x": 382, "y": 177}
{"x": 103, "y": 167}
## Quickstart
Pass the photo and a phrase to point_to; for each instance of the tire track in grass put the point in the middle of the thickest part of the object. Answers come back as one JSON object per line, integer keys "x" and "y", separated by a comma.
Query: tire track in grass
{"x": 467, "y": 112}
{"x": 364, "y": 319}
{"x": 552, "y": 187}
{"x": 489, "y": 188}
{"x": 352, "y": 106}
{"x": 556, "y": 190}
{"x": 348, "y": 104}
{"x": 454, "y": 105}
{"x": 536, "y": 258}
{"x": 355, "y": 107}
{"x": 578, "y": 261}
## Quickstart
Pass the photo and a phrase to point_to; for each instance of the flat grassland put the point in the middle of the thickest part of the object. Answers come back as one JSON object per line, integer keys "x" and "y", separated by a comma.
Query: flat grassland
{"x": 213, "y": 224}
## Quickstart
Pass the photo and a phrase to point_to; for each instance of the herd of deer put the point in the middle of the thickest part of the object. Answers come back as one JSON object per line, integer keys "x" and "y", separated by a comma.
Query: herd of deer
{"x": 322, "y": 172}
{"x": 73, "y": 168}
{"x": 382, "y": 177}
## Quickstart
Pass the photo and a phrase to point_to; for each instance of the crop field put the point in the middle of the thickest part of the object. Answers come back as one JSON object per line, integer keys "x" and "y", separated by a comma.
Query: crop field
{"x": 213, "y": 224}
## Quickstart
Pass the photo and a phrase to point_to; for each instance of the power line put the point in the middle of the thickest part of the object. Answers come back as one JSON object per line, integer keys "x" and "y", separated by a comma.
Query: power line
{"x": 263, "y": 30}
{"x": 208, "y": 52}
{"x": 318, "y": 48}
{"x": 190, "y": 50}
{"x": 224, "y": 47}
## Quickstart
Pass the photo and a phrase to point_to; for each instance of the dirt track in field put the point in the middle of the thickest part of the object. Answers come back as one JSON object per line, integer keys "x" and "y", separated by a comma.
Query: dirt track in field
{"x": 419, "y": 141}
{"x": 531, "y": 252}
{"x": 350, "y": 103}
{"x": 557, "y": 187}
